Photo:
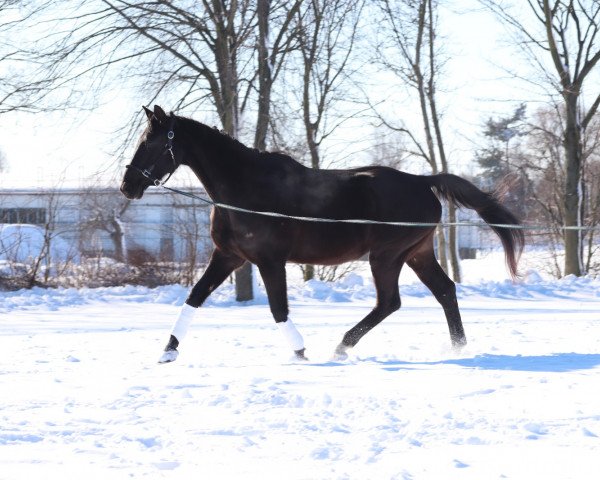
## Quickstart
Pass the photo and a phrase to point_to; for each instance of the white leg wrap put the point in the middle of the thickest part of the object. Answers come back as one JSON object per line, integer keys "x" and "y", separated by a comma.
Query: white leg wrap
{"x": 291, "y": 334}
{"x": 182, "y": 324}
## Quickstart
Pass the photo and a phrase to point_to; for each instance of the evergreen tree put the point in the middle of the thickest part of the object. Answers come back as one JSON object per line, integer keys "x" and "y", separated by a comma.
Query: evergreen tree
{"x": 499, "y": 159}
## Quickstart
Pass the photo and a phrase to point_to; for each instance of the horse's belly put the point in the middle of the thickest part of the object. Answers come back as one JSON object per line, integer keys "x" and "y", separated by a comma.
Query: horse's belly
{"x": 329, "y": 246}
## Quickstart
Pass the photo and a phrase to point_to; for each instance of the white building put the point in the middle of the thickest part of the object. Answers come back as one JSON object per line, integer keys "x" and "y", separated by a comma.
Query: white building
{"x": 160, "y": 226}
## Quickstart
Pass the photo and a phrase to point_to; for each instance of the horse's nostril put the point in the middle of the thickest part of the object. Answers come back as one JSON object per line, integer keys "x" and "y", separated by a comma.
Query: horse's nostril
{"x": 125, "y": 191}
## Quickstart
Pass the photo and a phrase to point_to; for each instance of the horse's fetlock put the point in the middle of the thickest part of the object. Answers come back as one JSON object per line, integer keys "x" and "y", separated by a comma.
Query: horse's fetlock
{"x": 172, "y": 344}
{"x": 350, "y": 340}
{"x": 459, "y": 343}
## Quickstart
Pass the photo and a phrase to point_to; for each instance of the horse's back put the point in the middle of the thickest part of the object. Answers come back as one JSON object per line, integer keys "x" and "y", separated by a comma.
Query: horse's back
{"x": 372, "y": 192}
{"x": 379, "y": 194}
{"x": 396, "y": 195}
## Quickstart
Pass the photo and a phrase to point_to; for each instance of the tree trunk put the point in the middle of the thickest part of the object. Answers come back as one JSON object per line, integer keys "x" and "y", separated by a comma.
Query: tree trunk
{"x": 243, "y": 283}
{"x": 442, "y": 249}
{"x": 441, "y": 237}
{"x": 116, "y": 237}
{"x": 310, "y": 129}
{"x": 265, "y": 76}
{"x": 453, "y": 244}
{"x": 228, "y": 109}
{"x": 572, "y": 201}
{"x": 229, "y": 116}
{"x": 308, "y": 272}
{"x": 452, "y": 250}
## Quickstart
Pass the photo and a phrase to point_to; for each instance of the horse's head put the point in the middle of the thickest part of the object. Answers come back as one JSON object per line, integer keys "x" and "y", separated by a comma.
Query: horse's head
{"x": 154, "y": 157}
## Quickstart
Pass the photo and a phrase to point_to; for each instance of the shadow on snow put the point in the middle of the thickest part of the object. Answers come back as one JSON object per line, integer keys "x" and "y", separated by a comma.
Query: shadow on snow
{"x": 557, "y": 362}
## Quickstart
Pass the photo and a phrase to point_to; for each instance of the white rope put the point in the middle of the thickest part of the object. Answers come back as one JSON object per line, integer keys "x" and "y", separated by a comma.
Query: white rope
{"x": 359, "y": 221}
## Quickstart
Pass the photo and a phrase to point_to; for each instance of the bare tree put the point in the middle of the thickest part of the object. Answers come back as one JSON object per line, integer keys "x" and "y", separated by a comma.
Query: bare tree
{"x": 560, "y": 39}
{"x": 591, "y": 179}
{"x": 327, "y": 34}
{"x": 273, "y": 18}
{"x": 276, "y": 39}
{"x": 543, "y": 165}
{"x": 103, "y": 211}
{"x": 20, "y": 88}
{"x": 193, "y": 53}
{"x": 409, "y": 50}
{"x": 389, "y": 148}
{"x": 44, "y": 263}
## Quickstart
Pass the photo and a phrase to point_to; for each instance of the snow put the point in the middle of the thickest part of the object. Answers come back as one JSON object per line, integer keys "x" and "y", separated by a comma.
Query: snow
{"x": 22, "y": 243}
{"x": 81, "y": 394}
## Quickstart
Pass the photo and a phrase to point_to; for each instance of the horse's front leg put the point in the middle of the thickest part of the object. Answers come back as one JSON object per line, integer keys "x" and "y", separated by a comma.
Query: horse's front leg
{"x": 273, "y": 274}
{"x": 220, "y": 266}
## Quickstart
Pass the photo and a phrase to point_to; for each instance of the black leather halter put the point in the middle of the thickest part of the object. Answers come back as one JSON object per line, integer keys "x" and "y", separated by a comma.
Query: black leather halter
{"x": 168, "y": 148}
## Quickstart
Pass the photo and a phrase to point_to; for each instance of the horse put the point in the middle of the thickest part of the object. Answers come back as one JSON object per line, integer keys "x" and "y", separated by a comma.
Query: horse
{"x": 259, "y": 181}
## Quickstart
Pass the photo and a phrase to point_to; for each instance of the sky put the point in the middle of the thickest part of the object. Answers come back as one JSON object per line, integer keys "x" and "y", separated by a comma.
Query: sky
{"x": 76, "y": 149}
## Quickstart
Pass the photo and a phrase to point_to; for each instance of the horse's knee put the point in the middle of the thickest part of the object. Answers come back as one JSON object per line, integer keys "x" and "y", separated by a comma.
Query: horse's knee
{"x": 200, "y": 292}
{"x": 195, "y": 298}
{"x": 280, "y": 314}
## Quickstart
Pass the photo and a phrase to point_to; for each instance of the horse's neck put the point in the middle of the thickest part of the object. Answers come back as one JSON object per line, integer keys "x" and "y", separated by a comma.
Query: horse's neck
{"x": 219, "y": 163}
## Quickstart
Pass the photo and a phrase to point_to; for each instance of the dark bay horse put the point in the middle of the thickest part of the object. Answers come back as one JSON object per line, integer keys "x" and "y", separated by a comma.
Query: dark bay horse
{"x": 261, "y": 181}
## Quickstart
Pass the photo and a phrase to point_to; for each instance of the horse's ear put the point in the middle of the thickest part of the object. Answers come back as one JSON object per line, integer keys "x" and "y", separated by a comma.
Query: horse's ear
{"x": 160, "y": 114}
{"x": 149, "y": 113}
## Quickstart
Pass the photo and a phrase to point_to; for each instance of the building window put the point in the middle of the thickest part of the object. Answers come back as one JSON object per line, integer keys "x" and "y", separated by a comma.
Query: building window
{"x": 35, "y": 216}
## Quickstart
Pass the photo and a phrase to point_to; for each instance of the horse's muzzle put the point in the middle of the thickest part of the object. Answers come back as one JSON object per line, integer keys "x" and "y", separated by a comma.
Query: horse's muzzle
{"x": 132, "y": 193}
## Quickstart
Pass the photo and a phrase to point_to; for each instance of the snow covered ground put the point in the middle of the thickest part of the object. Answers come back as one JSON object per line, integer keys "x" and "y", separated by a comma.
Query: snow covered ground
{"x": 81, "y": 395}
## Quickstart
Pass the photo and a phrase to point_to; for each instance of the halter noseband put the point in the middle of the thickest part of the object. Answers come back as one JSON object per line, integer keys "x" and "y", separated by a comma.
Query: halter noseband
{"x": 168, "y": 147}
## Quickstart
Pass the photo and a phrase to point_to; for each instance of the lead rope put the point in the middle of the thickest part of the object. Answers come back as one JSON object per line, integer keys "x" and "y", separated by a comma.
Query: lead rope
{"x": 160, "y": 183}
{"x": 368, "y": 222}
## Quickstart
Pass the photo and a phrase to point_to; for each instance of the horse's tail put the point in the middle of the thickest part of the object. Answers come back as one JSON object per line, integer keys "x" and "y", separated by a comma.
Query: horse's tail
{"x": 463, "y": 193}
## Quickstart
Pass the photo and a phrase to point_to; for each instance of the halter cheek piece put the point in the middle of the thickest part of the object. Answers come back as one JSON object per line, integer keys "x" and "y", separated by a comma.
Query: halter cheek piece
{"x": 168, "y": 148}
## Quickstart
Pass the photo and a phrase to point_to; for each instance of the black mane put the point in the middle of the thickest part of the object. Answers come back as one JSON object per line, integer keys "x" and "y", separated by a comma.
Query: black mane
{"x": 214, "y": 134}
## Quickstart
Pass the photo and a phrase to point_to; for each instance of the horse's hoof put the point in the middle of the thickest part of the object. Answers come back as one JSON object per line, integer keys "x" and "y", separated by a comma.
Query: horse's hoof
{"x": 459, "y": 344}
{"x": 168, "y": 356}
{"x": 300, "y": 355}
{"x": 339, "y": 357}
{"x": 340, "y": 354}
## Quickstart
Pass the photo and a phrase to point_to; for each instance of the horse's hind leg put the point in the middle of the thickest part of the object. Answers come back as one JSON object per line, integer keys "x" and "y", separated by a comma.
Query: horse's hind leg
{"x": 219, "y": 268}
{"x": 429, "y": 271}
{"x": 386, "y": 270}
